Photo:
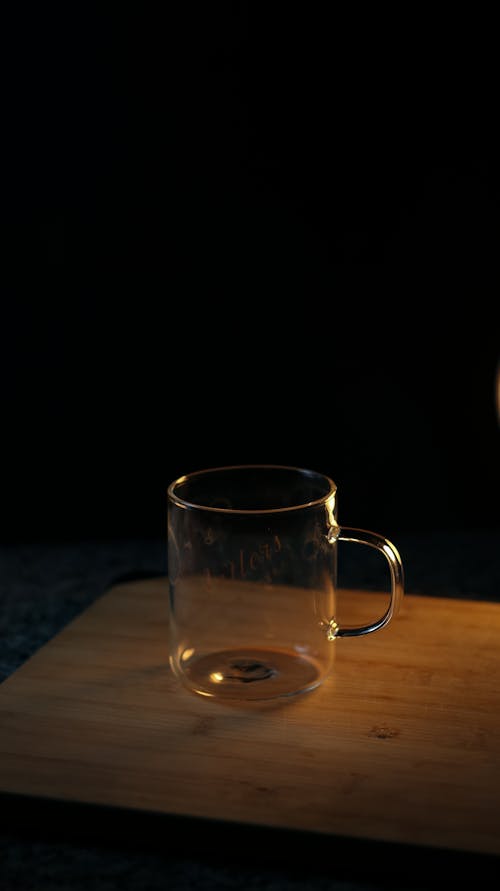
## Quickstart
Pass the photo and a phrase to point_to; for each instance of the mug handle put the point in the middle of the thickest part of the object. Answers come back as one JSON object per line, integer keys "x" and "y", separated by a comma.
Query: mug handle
{"x": 390, "y": 552}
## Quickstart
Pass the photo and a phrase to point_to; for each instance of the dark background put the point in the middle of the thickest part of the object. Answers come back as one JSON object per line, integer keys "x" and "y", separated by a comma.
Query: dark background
{"x": 236, "y": 233}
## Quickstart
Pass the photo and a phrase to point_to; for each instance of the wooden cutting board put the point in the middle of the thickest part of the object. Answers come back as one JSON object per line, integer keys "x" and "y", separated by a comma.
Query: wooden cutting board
{"x": 401, "y": 744}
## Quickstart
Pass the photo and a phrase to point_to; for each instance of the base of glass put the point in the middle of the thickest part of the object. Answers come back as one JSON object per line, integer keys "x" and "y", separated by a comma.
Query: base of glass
{"x": 251, "y": 674}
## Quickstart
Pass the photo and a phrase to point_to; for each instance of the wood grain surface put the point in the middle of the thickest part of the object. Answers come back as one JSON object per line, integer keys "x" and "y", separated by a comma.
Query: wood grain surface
{"x": 401, "y": 743}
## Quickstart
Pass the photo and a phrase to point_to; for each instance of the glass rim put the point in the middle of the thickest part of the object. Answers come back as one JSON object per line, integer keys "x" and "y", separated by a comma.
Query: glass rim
{"x": 193, "y": 505}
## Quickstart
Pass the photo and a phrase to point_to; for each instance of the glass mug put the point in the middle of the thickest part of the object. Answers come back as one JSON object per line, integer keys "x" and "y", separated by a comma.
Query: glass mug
{"x": 252, "y": 565}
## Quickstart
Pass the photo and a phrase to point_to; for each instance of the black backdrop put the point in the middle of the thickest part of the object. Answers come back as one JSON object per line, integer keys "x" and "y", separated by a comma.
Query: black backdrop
{"x": 247, "y": 233}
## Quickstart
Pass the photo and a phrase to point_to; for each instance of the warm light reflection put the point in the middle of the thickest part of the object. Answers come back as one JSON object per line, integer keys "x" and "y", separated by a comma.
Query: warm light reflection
{"x": 332, "y": 630}
{"x": 187, "y": 654}
{"x": 330, "y": 510}
{"x": 216, "y": 677}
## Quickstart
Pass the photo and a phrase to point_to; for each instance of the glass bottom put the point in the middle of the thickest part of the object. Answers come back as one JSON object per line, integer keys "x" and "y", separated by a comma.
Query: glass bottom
{"x": 251, "y": 674}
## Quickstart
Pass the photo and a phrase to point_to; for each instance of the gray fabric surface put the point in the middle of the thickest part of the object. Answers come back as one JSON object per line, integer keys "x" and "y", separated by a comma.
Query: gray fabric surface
{"x": 43, "y": 587}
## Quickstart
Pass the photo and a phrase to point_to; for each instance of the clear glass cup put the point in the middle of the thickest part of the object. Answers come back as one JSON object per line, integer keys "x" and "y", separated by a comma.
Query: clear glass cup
{"x": 252, "y": 565}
